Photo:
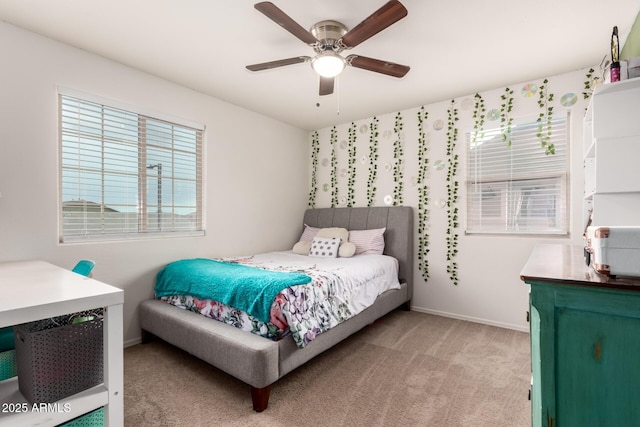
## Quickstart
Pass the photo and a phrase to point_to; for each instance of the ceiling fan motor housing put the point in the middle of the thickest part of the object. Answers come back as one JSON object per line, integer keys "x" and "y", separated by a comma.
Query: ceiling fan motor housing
{"x": 328, "y": 33}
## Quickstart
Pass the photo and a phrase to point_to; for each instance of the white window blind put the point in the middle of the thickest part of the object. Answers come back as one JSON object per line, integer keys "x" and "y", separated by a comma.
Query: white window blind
{"x": 124, "y": 174}
{"x": 517, "y": 188}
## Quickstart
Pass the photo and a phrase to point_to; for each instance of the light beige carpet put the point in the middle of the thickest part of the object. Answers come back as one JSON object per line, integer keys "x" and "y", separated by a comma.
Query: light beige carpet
{"x": 408, "y": 369}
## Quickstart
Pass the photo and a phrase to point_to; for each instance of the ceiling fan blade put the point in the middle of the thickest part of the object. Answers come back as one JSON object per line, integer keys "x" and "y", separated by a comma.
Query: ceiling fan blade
{"x": 378, "y": 66}
{"x": 326, "y": 85}
{"x": 388, "y": 14}
{"x": 278, "y": 63}
{"x": 274, "y": 13}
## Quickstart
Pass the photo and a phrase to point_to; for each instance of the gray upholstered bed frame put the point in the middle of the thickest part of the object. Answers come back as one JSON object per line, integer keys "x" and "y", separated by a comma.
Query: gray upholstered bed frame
{"x": 260, "y": 362}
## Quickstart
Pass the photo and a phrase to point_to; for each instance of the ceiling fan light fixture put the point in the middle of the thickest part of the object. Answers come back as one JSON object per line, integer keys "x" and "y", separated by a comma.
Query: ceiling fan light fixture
{"x": 328, "y": 64}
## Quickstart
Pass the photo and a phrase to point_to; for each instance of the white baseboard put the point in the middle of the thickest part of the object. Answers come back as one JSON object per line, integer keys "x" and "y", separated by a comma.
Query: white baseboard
{"x": 132, "y": 342}
{"x": 471, "y": 319}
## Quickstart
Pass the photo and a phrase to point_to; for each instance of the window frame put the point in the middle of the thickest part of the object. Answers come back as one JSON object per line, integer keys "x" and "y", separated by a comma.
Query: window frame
{"x": 143, "y": 143}
{"x": 503, "y": 224}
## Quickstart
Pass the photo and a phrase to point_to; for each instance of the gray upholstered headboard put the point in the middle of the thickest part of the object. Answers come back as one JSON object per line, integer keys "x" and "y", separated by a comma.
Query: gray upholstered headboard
{"x": 398, "y": 237}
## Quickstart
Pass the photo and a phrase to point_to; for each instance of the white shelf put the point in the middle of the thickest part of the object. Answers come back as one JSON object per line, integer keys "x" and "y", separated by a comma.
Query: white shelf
{"x": 611, "y": 147}
{"x": 22, "y": 413}
{"x": 34, "y": 290}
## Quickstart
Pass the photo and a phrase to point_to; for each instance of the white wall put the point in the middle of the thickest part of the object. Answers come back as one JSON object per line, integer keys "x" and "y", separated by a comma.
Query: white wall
{"x": 489, "y": 288}
{"x": 256, "y": 167}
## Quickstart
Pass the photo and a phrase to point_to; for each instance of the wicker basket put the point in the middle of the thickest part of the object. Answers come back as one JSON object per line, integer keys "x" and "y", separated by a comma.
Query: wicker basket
{"x": 57, "y": 358}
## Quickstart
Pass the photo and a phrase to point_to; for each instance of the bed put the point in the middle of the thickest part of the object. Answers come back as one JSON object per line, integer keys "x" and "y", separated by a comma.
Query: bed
{"x": 260, "y": 361}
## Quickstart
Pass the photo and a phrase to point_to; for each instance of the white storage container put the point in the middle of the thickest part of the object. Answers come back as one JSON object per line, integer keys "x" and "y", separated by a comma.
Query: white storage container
{"x": 615, "y": 250}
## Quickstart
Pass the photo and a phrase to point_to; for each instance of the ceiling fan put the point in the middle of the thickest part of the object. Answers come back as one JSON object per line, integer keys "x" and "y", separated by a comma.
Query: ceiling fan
{"x": 329, "y": 38}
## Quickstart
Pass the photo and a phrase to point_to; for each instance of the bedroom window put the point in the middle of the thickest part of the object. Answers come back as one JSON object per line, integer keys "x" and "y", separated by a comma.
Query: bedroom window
{"x": 518, "y": 189}
{"x": 124, "y": 174}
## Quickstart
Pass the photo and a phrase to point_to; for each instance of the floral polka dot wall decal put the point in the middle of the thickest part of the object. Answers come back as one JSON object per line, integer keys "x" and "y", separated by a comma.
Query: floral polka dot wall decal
{"x": 387, "y": 167}
{"x": 414, "y": 181}
{"x": 493, "y": 114}
{"x": 439, "y": 203}
{"x": 364, "y": 160}
{"x": 343, "y": 144}
{"x": 438, "y": 165}
{"x": 568, "y": 99}
{"x": 325, "y": 162}
{"x": 342, "y": 201}
{"x": 326, "y": 187}
{"x": 386, "y": 134}
{"x": 467, "y": 104}
{"x": 343, "y": 173}
{"x": 388, "y": 200}
{"x": 364, "y": 129}
{"x": 438, "y": 124}
{"x": 529, "y": 90}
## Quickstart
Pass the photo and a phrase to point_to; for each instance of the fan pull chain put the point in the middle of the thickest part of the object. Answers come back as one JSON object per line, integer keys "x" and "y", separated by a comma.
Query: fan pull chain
{"x": 337, "y": 83}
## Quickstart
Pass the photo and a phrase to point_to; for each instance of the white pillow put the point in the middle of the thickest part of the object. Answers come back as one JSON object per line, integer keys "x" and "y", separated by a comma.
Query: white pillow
{"x": 340, "y": 233}
{"x": 302, "y": 248}
{"x": 325, "y": 247}
{"x": 368, "y": 241}
{"x": 347, "y": 250}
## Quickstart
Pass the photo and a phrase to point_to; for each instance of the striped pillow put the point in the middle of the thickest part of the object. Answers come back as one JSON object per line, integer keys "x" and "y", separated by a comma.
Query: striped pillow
{"x": 368, "y": 241}
{"x": 309, "y": 233}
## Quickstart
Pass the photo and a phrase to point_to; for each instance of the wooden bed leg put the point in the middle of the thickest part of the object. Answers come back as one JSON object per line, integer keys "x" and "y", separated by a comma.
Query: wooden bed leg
{"x": 260, "y": 397}
{"x": 147, "y": 337}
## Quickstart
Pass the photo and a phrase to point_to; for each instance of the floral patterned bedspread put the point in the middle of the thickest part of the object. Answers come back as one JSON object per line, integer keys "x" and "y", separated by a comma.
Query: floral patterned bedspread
{"x": 340, "y": 288}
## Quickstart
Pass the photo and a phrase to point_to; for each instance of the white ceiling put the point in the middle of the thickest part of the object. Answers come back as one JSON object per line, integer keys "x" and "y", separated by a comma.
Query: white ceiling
{"x": 454, "y": 47}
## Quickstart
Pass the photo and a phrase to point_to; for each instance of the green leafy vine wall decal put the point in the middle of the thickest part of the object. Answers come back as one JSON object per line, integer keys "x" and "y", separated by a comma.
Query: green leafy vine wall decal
{"x": 398, "y": 155}
{"x": 423, "y": 196}
{"x": 588, "y": 82}
{"x": 315, "y": 149}
{"x": 452, "y": 193}
{"x": 373, "y": 161}
{"x": 334, "y": 167}
{"x": 479, "y": 113}
{"x": 545, "y": 118}
{"x": 506, "y": 121}
{"x": 351, "y": 171}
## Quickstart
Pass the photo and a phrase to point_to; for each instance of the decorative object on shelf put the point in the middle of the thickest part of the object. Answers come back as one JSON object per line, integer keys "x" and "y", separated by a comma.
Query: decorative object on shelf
{"x": 615, "y": 56}
{"x": 315, "y": 149}
{"x": 423, "y": 195}
{"x": 545, "y": 118}
{"x": 398, "y": 166}
{"x": 373, "y": 161}
{"x": 529, "y": 90}
{"x": 506, "y": 121}
{"x": 452, "y": 193}
{"x": 351, "y": 166}
{"x": 333, "y": 139}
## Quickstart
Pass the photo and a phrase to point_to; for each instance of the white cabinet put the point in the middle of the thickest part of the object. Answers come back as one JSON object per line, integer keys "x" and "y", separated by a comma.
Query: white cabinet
{"x": 34, "y": 290}
{"x": 612, "y": 155}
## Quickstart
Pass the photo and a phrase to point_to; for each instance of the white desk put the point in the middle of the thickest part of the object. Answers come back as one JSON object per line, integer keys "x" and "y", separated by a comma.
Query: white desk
{"x": 34, "y": 290}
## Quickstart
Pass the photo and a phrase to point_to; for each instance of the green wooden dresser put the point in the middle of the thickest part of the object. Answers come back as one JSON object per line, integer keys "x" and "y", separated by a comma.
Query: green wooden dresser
{"x": 585, "y": 342}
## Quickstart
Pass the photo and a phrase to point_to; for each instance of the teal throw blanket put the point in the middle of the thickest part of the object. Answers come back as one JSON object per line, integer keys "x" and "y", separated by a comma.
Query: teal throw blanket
{"x": 250, "y": 289}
